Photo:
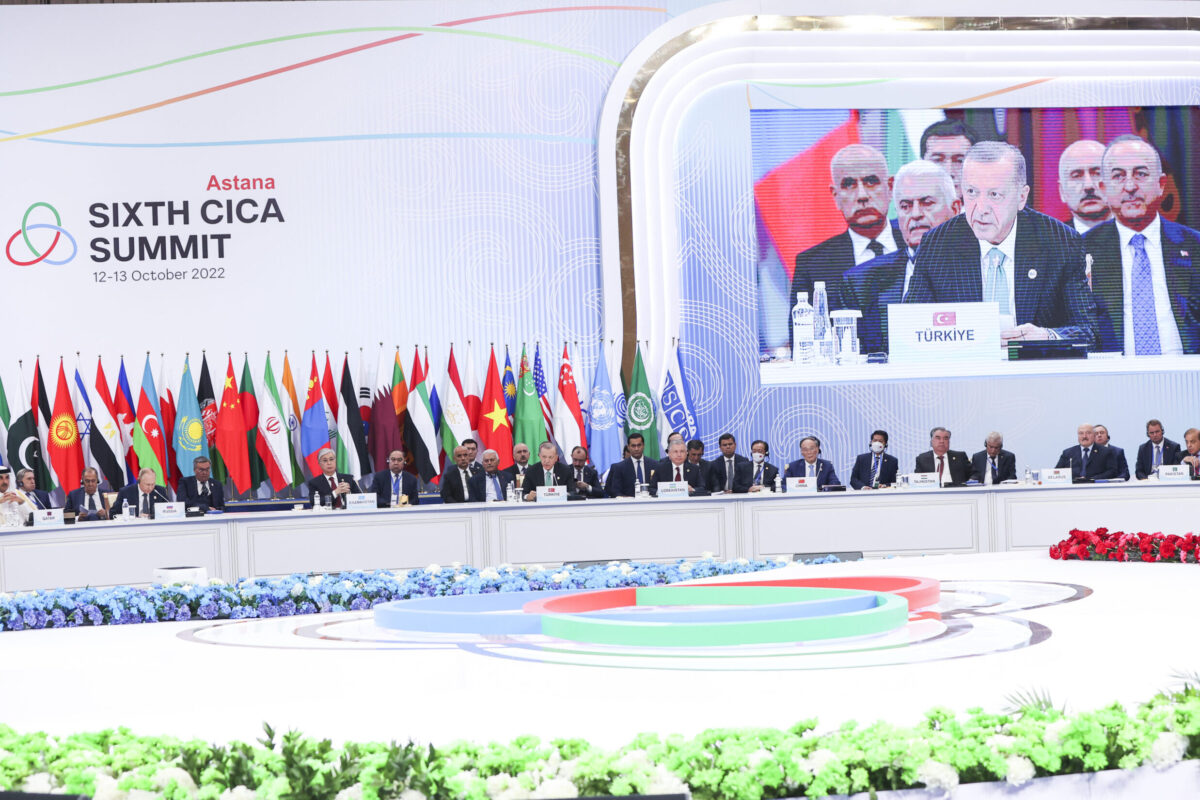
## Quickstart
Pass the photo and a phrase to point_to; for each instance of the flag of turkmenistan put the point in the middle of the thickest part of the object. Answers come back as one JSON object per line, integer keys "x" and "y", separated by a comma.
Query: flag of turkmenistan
{"x": 529, "y": 425}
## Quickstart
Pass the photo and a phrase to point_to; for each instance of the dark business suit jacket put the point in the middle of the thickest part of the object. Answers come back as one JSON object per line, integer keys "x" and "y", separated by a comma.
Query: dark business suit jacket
{"x": 318, "y": 486}
{"x": 828, "y": 261}
{"x": 77, "y": 503}
{"x": 131, "y": 494}
{"x": 1099, "y": 466}
{"x": 948, "y": 270}
{"x": 769, "y": 471}
{"x": 825, "y": 474}
{"x": 957, "y": 463}
{"x": 513, "y": 469}
{"x": 1171, "y": 454}
{"x": 861, "y": 475}
{"x": 869, "y": 288}
{"x": 40, "y": 498}
{"x": 189, "y": 493}
{"x": 535, "y": 476}
{"x": 1180, "y": 250}
{"x": 1120, "y": 464}
{"x": 741, "y": 474}
{"x": 664, "y": 472}
{"x": 452, "y": 488}
{"x": 622, "y": 477}
{"x": 592, "y": 478}
{"x": 1006, "y": 466}
{"x": 381, "y": 485}
{"x": 477, "y": 485}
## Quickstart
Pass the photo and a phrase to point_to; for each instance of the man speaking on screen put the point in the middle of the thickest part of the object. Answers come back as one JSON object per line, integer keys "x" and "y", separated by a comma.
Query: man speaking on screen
{"x": 998, "y": 250}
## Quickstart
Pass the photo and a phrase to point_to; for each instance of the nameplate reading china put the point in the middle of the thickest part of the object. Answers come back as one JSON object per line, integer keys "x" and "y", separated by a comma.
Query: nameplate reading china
{"x": 360, "y": 500}
{"x": 47, "y": 517}
{"x": 801, "y": 485}
{"x": 165, "y": 511}
{"x": 1174, "y": 473}
{"x": 673, "y": 489}
{"x": 1056, "y": 477}
{"x": 943, "y": 332}
{"x": 923, "y": 480}
{"x": 552, "y": 494}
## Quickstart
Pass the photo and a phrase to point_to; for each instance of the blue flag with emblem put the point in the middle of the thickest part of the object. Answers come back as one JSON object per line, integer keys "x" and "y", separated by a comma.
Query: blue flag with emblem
{"x": 675, "y": 401}
{"x": 509, "y": 384}
{"x": 603, "y": 429}
{"x": 190, "y": 440}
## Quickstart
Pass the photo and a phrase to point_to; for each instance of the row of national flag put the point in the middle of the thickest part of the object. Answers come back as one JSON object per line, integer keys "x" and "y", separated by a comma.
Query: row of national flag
{"x": 257, "y": 428}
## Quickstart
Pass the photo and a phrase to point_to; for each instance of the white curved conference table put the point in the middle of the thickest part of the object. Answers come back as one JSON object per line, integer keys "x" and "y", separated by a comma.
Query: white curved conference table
{"x": 880, "y": 523}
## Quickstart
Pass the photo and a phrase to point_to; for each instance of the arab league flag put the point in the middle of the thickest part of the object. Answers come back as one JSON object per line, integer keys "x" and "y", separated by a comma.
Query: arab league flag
{"x": 640, "y": 416}
{"x": 189, "y": 435}
{"x": 106, "y": 434}
{"x": 5, "y": 419}
{"x": 675, "y": 401}
{"x": 529, "y": 425}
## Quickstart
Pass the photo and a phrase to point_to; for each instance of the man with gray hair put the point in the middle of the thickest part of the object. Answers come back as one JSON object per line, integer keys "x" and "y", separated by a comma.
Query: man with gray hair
{"x": 951, "y": 466}
{"x": 547, "y": 472}
{"x": 27, "y": 481}
{"x": 925, "y": 198}
{"x": 1088, "y": 460}
{"x": 1000, "y": 251}
{"x": 490, "y": 484}
{"x": 993, "y": 464}
{"x": 1080, "y": 185}
{"x": 1143, "y": 266}
{"x": 330, "y": 487}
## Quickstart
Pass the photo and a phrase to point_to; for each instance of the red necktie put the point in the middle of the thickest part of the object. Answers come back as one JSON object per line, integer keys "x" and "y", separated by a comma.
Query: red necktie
{"x": 678, "y": 477}
{"x": 941, "y": 464}
{"x": 332, "y": 492}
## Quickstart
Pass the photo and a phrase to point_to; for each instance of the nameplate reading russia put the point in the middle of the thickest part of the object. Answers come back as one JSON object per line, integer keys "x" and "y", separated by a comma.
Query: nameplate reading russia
{"x": 920, "y": 332}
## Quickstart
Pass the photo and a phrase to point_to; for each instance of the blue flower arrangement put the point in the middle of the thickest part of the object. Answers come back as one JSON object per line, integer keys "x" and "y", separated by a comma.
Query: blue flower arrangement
{"x": 325, "y": 593}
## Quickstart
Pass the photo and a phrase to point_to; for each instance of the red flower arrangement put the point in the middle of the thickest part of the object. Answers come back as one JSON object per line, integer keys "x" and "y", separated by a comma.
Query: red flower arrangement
{"x": 1101, "y": 545}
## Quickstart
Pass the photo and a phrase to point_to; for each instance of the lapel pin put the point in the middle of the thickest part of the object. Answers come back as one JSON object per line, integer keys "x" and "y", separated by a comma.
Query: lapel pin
{"x": 1183, "y": 253}
{"x": 1032, "y": 274}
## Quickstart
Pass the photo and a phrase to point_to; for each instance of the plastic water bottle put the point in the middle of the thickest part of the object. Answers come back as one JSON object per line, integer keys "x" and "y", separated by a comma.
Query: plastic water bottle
{"x": 821, "y": 330}
{"x": 1028, "y": 475}
{"x": 778, "y": 483}
{"x": 803, "y": 336}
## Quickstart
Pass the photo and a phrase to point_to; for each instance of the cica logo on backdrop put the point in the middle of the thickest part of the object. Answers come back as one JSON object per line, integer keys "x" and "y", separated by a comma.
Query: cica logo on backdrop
{"x": 38, "y": 247}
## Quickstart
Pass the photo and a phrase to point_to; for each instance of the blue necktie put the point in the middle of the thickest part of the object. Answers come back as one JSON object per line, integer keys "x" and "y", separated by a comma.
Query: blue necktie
{"x": 1145, "y": 316}
{"x": 997, "y": 281}
{"x": 395, "y": 486}
{"x": 875, "y": 472}
{"x": 1083, "y": 461}
{"x": 758, "y": 476}
{"x": 1157, "y": 456}
{"x": 496, "y": 487}
{"x": 638, "y": 464}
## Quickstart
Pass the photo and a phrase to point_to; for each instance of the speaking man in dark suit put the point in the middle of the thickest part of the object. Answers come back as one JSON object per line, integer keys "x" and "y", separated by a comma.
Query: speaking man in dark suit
{"x": 861, "y": 190}
{"x": 676, "y": 467}
{"x": 1143, "y": 266}
{"x": 330, "y": 483}
{"x": 876, "y": 468}
{"x": 997, "y": 250}
{"x": 951, "y": 466}
{"x": 1081, "y": 186}
{"x": 993, "y": 464}
{"x": 1087, "y": 460}
{"x": 393, "y": 486}
{"x": 198, "y": 490}
{"x": 87, "y": 502}
{"x": 27, "y": 481}
{"x": 1116, "y": 455}
{"x": 762, "y": 472}
{"x": 584, "y": 476}
{"x": 547, "y": 472}
{"x": 490, "y": 484}
{"x": 454, "y": 488}
{"x": 809, "y": 465}
{"x": 729, "y": 474}
{"x": 1155, "y": 451}
{"x": 141, "y": 496}
{"x": 925, "y": 198}
{"x": 625, "y": 475}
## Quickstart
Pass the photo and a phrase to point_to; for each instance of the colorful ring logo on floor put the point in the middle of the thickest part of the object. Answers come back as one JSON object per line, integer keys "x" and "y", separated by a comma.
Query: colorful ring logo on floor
{"x": 717, "y": 614}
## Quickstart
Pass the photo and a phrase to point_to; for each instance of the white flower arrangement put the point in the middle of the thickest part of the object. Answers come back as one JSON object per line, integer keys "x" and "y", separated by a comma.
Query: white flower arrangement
{"x": 1020, "y": 770}
{"x": 1167, "y": 750}
{"x": 936, "y": 775}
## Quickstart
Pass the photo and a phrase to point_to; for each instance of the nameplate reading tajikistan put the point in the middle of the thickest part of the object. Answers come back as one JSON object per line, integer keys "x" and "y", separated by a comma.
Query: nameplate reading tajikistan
{"x": 673, "y": 489}
{"x": 360, "y": 500}
{"x": 165, "y": 511}
{"x": 943, "y": 332}
{"x": 47, "y": 517}
{"x": 552, "y": 494}
{"x": 923, "y": 480}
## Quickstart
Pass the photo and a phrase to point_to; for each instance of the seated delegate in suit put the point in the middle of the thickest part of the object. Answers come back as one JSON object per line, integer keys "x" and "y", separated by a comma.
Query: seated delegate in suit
{"x": 140, "y": 497}
{"x": 1155, "y": 451}
{"x": 393, "y": 483}
{"x": 952, "y": 466}
{"x": 1087, "y": 459}
{"x": 876, "y": 468}
{"x": 198, "y": 490}
{"x": 14, "y": 503}
{"x": 1191, "y": 452}
{"x": 695, "y": 455}
{"x": 625, "y": 475}
{"x": 810, "y": 466}
{"x": 998, "y": 250}
{"x": 1115, "y": 454}
{"x": 490, "y": 484}
{"x": 993, "y": 464}
{"x": 584, "y": 476}
{"x": 729, "y": 474}
{"x": 520, "y": 461}
{"x": 27, "y": 481}
{"x": 861, "y": 190}
{"x": 330, "y": 483}
{"x": 762, "y": 472}
{"x": 925, "y": 198}
{"x": 454, "y": 482}
{"x": 676, "y": 467}
{"x": 547, "y": 472}
{"x": 87, "y": 503}
{"x": 1144, "y": 267}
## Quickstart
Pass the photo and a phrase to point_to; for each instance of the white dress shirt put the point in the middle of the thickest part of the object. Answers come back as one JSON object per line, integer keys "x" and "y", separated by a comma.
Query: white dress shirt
{"x": 863, "y": 253}
{"x": 1168, "y": 332}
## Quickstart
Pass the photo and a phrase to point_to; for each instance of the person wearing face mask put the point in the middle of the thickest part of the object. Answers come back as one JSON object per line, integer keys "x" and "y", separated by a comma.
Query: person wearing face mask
{"x": 876, "y": 468}
{"x": 762, "y": 472}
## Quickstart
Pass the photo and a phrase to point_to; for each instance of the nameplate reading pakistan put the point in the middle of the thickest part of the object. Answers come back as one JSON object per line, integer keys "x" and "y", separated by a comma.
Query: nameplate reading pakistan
{"x": 1173, "y": 473}
{"x": 943, "y": 332}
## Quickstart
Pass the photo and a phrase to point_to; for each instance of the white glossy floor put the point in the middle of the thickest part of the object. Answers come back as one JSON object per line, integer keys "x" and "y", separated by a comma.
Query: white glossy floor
{"x": 1013, "y": 622}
